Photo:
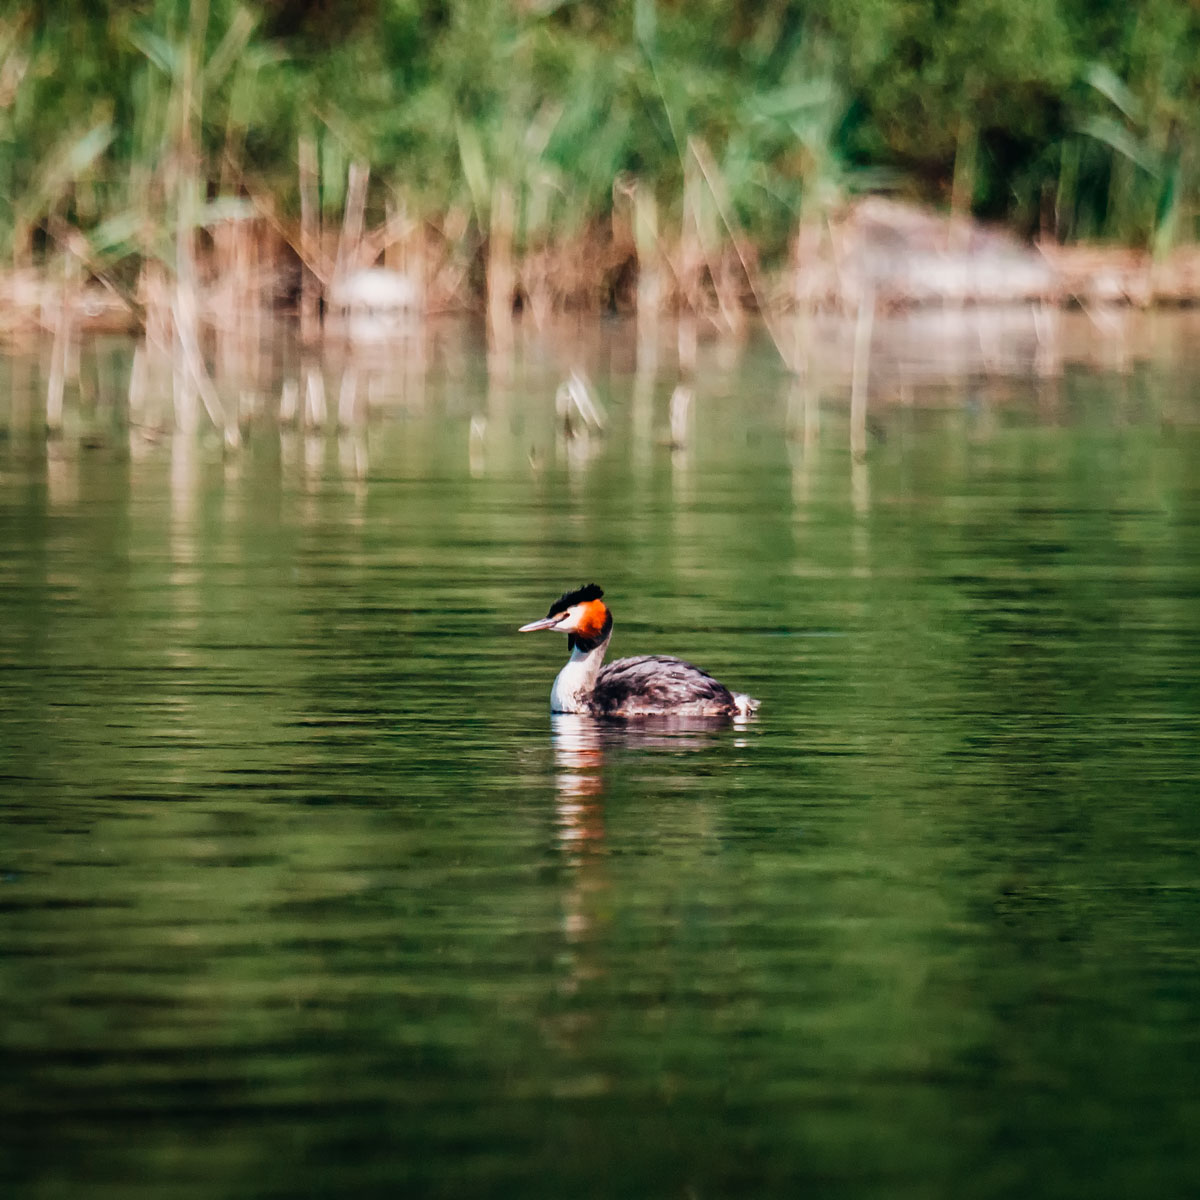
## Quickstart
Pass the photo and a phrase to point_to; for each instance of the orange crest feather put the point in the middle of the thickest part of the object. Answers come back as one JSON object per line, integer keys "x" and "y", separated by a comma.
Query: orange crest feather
{"x": 591, "y": 619}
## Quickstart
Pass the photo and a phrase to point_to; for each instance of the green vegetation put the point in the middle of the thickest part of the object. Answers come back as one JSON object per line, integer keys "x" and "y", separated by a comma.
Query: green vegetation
{"x": 545, "y": 138}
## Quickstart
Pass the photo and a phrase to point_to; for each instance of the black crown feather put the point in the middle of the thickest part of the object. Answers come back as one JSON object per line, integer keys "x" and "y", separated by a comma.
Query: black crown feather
{"x": 578, "y": 596}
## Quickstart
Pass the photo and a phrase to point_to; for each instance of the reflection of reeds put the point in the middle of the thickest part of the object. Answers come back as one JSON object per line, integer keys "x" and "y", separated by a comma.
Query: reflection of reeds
{"x": 679, "y": 416}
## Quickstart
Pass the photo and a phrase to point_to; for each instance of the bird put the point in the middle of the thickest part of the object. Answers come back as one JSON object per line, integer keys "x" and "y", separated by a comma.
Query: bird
{"x": 647, "y": 685}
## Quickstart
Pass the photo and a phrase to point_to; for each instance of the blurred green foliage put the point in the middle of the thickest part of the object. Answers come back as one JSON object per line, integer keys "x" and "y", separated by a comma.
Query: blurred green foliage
{"x": 1062, "y": 118}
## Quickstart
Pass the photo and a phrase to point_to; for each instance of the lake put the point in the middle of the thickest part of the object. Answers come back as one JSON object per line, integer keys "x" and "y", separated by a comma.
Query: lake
{"x": 305, "y": 894}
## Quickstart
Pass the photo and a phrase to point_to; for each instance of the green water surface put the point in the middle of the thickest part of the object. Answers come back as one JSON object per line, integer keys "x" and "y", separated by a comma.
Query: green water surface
{"x": 304, "y": 894}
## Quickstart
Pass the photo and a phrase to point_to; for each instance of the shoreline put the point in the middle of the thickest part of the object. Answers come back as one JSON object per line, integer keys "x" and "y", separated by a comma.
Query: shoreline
{"x": 891, "y": 254}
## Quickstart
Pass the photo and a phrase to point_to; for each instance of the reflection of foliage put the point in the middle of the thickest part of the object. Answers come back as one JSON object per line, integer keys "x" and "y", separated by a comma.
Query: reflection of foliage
{"x": 1082, "y": 120}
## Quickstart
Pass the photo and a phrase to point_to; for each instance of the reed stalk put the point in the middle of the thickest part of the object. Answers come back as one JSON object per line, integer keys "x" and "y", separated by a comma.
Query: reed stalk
{"x": 962, "y": 192}
{"x": 310, "y": 238}
{"x": 691, "y": 250}
{"x": 350, "y": 239}
{"x": 60, "y": 350}
{"x": 860, "y": 379}
{"x": 501, "y": 269}
{"x": 649, "y": 258}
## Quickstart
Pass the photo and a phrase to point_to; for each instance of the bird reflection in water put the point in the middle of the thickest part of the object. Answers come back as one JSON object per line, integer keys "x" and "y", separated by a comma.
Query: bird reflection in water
{"x": 578, "y": 783}
{"x": 580, "y": 745}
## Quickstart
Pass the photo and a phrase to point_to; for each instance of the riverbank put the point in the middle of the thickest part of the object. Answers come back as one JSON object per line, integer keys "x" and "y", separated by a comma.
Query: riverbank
{"x": 371, "y": 283}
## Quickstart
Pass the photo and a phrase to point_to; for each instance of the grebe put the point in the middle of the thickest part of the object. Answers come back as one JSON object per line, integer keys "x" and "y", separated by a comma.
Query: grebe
{"x": 648, "y": 685}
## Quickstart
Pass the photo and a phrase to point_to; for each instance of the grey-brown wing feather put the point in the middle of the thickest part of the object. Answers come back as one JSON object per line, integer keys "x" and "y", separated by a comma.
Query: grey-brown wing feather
{"x": 653, "y": 683}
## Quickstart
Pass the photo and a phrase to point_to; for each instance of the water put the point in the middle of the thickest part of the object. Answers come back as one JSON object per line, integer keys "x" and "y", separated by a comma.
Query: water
{"x": 304, "y": 893}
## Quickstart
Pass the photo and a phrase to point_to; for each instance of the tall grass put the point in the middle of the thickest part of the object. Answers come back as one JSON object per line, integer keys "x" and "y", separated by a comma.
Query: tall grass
{"x": 558, "y": 156}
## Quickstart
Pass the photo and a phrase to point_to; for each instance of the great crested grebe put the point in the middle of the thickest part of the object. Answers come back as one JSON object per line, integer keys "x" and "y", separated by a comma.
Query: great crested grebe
{"x": 648, "y": 685}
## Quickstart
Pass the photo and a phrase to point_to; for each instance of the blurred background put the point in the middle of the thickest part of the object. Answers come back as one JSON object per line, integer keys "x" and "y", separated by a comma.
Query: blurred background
{"x": 851, "y": 347}
{"x": 552, "y": 157}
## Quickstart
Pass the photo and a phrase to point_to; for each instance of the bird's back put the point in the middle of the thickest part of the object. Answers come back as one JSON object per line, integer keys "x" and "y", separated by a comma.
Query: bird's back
{"x": 655, "y": 683}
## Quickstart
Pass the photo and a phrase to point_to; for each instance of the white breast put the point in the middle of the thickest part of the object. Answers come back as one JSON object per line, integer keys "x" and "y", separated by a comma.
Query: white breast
{"x": 574, "y": 683}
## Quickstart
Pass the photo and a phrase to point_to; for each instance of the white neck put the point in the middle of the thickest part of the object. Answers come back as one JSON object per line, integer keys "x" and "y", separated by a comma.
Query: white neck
{"x": 575, "y": 681}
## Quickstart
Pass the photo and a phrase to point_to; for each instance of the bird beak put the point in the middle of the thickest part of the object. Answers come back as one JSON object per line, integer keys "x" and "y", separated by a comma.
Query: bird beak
{"x": 544, "y": 623}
